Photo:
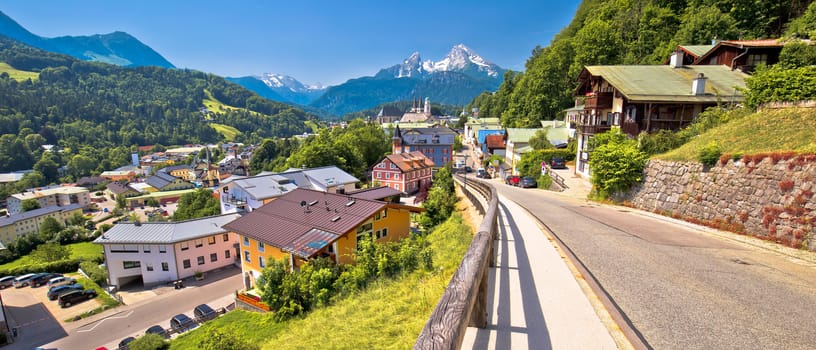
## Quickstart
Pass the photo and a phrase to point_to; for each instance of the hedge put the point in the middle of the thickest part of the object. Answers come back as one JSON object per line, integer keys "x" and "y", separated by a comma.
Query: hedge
{"x": 62, "y": 266}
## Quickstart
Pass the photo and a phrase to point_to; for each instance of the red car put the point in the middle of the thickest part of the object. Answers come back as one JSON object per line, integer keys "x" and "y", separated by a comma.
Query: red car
{"x": 513, "y": 180}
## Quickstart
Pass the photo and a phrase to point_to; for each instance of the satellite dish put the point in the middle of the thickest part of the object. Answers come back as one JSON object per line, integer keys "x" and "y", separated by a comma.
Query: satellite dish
{"x": 302, "y": 203}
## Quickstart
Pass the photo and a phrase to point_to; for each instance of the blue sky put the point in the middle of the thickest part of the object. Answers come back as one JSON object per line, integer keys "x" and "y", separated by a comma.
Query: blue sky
{"x": 313, "y": 41}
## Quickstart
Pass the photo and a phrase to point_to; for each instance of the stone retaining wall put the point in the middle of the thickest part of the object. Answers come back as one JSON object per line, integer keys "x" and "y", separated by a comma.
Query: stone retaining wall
{"x": 770, "y": 196}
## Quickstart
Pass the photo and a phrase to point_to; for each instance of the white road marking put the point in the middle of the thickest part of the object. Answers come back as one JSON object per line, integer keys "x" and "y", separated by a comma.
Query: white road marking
{"x": 105, "y": 319}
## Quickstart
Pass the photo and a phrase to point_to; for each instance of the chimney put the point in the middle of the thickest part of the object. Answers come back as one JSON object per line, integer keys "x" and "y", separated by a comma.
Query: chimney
{"x": 676, "y": 60}
{"x": 698, "y": 85}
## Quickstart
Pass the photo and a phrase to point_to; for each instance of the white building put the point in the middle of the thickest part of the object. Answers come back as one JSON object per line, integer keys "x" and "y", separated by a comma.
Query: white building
{"x": 159, "y": 252}
{"x": 57, "y": 196}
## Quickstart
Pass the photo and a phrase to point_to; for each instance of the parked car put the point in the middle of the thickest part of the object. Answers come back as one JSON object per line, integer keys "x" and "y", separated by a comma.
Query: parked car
{"x": 482, "y": 173}
{"x": 181, "y": 322}
{"x": 56, "y": 292}
{"x": 43, "y": 279}
{"x": 527, "y": 182}
{"x": 159, "y": 330}
{"x": 24, "y": 280}
{"x": 61, "y": 280}
{"x": 512, "y": 180}
{"x": 76, "y": 296}
{"x": 7, "y": 281}
{"x": 204, "y": 312}
{"x": 468, "y": 169}
{"x": 123, "y": 345}
{"x": 558, "y": 163}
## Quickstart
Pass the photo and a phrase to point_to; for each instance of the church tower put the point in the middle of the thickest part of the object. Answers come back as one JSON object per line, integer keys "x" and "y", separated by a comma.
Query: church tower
{"x": 427, "y": 106}
{"x": 397, "y": 147}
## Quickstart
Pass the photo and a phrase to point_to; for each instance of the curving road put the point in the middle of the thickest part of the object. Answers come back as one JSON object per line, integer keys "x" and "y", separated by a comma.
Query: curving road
{"x": 678, "y": 286}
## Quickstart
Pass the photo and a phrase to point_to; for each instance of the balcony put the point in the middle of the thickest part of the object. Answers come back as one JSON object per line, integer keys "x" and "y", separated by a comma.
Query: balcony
{"x": 234, "y": 201}
{"x": 594, "y": 129}
{"x": 598, "y": 100}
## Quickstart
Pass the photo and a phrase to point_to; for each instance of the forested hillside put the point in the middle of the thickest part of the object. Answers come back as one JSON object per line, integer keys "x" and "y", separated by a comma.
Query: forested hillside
{"x": 633, "y": 32}
{"x": 96, "y": 112}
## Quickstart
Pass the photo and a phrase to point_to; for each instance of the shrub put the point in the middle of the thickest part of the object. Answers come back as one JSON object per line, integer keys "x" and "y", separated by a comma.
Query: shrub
{"x": 616, "y": 163}
{"x": 222, "y": 340}
{"x": 658, "y": 142}
{"x": 62, "y": 266}
{"x": 149, "y": 342}
{"x": 709, "y": 154}
{"x": 544, "y": 181}
{"x": 94, "y": 272}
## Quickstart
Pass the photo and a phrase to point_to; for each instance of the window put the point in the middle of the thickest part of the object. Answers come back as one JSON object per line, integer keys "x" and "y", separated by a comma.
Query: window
{"x": 225, "y": 237}
{"x": 246, "y": 241}
{"x": 165, "y": 267}
{"x": 757, "y": 59}
{"x": 393, "y": 166}
{"x": 384, "y": 232}
{"x": 201, "y": 260}
{"x": 246, "y": 256}
{"x": 377, "y": 234}
{"x": 226, "y": 254}
{"x": 149, "y": 267}
{"x": 146, "y": 249}
{"x": 211, "y": 240}
{"x": 186, "y": 263}
{"x": 261, "y": 246}
{"x": 119, "y": 248}
{"x": 396, "y": 187}
{"x": 261, "y": 262}
{"x": 213, "y": 257}
{"x": 131, "y": 265}
{"x": 379, "y": 175}
{"x": 387, "y": 175}
{"x": 185, "y": 245}
{"x": 385, "y": 213}
{"x": 377, "y": 216}
{"x": 396, "y": 176}
{"x": 199, "y": 243}
{"x": 162, "y": 249}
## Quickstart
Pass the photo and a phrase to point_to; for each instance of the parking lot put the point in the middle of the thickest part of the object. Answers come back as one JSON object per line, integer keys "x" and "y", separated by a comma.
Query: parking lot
{"x": 33, "y": 315}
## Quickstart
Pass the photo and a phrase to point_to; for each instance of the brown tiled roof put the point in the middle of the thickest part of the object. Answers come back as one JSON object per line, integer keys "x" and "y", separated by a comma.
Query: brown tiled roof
{"x": 375, "y": 193}
{"x": 410, "y": 160}
{"x": 494, "y": 141}
{"x": 117, "y": 188}
{"x": 283, "y": 221}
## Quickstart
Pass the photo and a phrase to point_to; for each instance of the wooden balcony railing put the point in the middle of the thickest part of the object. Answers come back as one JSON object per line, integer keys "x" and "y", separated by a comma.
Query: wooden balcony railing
{"x": 598, "y": 100}
{"x": 594, "y": 129}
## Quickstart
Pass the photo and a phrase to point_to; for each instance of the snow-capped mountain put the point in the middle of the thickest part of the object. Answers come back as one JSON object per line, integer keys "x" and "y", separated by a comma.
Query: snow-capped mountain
{"x": 460, "y": 59}
{"x": 284, "y": 81}
{"x": 282, "y": 88}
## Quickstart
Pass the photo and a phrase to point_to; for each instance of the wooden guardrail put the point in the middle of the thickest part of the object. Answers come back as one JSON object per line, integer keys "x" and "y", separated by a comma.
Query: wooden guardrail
{"x": 464, "y": 302}
{"x": 557, "y": 178}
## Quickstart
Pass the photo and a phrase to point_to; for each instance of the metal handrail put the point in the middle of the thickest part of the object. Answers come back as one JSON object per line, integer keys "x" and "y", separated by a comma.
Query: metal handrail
{"x": 464, "y": 302}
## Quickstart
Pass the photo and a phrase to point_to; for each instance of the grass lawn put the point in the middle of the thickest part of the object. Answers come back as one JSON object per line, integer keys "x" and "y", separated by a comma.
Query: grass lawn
{"x": 389, "y": 314}
{"x": 227, "y": 131}
{"x": 84, "y": 250}
{"x": 761, "y": 132}
{"x": 16, "y": 74}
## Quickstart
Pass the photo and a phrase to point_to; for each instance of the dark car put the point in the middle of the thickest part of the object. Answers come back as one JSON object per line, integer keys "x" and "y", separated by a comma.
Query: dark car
{"x": 56, "y": 292}
{"x": 123, "y": 345}
{"x": 558, "y": 163}
{"x": 527, "y": 182}
{"x": 468, "y": 169}
{"x": 157, "y": 330}
{"x": 76, "y": 296}
{"x": 181, "y": 322}
{"x": 513, "y": 180}
{"x": 43, "y": 279}
{"x": 204, "y": 312}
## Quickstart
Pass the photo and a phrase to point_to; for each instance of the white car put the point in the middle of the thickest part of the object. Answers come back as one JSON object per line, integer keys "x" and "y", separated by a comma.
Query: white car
{"x": 59, "y": 281}
{"x": 24, "y": 280}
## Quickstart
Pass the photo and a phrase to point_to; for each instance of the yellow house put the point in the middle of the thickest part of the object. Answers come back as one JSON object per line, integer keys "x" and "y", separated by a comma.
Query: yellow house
{"x": 26, "y": 223}
{"x": 305, "y": 224}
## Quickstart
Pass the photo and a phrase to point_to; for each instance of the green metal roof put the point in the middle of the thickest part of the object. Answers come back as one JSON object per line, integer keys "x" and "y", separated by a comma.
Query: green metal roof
{"x": 662, "y": 83}
{"x": 697, "y": 50}
{"x": 518, "y": 135}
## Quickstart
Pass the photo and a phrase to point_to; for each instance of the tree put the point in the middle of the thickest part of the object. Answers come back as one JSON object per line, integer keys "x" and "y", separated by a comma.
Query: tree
{"x": 441, "y": 200}
{"x": 48, "y": 166}
{"x": 152, "y": 202}
{"x": 197, "y": 204}
{"x": 701, "y": 25}
{"x": 804, "y": 26}
{"x": 81, "y": 165}
{"x": 220, "y": 340}
{"x": 50, "y": 227}
{"x": 29, "y": 204}
{"x": 50, "y": 252}
{"x": 540, "y": 141}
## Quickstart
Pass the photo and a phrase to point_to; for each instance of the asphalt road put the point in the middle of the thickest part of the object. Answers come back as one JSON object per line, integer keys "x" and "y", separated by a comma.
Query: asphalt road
{"x": 131, "y": 320}
{"x": 681, "y": 287}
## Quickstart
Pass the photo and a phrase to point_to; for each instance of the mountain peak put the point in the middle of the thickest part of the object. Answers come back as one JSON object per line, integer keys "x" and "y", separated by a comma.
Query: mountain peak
{"x": 276, "y": 81}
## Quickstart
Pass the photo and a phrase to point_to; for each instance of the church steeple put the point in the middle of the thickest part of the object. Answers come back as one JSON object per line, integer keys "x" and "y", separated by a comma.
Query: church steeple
{"x": 396, "y": 141}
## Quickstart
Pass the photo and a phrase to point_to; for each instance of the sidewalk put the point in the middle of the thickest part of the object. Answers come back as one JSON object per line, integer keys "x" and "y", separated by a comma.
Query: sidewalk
{"x": 535, "y": 302}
